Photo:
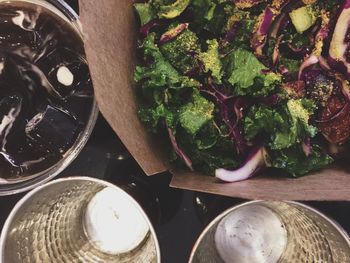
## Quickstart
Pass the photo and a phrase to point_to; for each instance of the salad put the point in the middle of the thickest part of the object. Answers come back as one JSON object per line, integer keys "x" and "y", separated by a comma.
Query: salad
{"x": 241, "y": 86}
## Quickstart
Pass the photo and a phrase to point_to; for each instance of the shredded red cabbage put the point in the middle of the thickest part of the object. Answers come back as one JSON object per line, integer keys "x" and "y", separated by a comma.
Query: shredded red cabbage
{"x": 179, "y": 151}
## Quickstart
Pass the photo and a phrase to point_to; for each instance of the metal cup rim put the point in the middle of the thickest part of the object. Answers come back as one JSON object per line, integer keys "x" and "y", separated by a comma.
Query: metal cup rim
{"x": 19, "y": 204}
{"x": 335, "y": 224}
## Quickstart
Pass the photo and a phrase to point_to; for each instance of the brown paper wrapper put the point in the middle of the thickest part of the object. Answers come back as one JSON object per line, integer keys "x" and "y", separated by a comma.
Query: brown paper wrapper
{"x": 110, "y": 37}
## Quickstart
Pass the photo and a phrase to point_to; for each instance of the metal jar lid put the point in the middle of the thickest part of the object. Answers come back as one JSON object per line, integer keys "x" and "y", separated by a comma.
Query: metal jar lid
{"x": 76, "y": 220}
{"x": 271, "y": 232}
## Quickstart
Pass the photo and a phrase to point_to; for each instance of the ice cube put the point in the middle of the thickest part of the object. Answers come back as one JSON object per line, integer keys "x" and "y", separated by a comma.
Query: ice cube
{"x": 10, "y": 108}
{"x": 52, "y": 128}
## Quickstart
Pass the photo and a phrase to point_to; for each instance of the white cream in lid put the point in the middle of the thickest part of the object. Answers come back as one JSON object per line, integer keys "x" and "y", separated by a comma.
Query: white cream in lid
{"x": 251, "y": 234}
{"x": 113, "y": 223}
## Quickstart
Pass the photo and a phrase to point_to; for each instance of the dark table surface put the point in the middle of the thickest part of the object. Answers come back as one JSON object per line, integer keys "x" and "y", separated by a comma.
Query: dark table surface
{"x": 178, "y": 216}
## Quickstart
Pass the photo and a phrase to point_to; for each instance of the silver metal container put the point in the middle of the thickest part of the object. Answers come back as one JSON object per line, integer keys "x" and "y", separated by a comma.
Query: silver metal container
{"x": 65, "y": 221}
{"x": 270, "y": 232}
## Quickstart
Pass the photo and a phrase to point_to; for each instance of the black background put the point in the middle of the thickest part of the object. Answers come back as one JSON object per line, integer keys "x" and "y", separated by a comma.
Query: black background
{"x": 178, "y": 216}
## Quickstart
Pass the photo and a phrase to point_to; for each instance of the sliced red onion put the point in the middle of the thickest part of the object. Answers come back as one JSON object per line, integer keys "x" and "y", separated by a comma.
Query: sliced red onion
{"x": 276, "y": 51}
{"x": 265, "y": 23}
{"x": 308, "y": 62}
{"x": 144, "y": 30}
{"x": 256, "y": 161}
{"x": 283, "y": 70}
{"x": 172, "y": 33}
{"x": 231, "y": 34}
{"x": 179, "y": 151}
{"x": 338, "y": 46}
{"x": 299, "y": 52}
{"x": 324, "y": 64}
{"x": 260, "y": 35}
{"x": 280, "y": 23}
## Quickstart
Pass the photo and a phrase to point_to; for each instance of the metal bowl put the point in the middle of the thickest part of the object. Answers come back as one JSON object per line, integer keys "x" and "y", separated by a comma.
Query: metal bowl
{"x": 49, "y": 225}
{"x": 287, "y": 232}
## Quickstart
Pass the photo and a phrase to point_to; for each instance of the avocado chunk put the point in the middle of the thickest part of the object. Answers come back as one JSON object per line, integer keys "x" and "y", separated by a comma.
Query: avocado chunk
{"x": 173, "y": 10}
{"x": 303, "y": 18}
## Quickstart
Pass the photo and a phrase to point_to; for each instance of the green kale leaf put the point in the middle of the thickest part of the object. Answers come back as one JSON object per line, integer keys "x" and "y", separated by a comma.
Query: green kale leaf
{"x": 296, "y": 163}
{"x": 292, "y": 65}
{"x": 283, "y": 127}
{"x": 246, "y": 68}
{"x": 245, "y": 23}
{"x": 195, "y": 114}
{"x": 160, "y": 74}
{"x": 245, "y": 74}
{"x": 208, "y": 150}
{"x": 179, "y": 49}
{"x": 204, "y": 9}
{"x": 146, "y": 12}
{"x": 210, "y": 17}
{"x": 173, "y": 10}
{"x": 211, "y": 60}
{"x": 262, "y": 120}
{"x": 152, "y": 117}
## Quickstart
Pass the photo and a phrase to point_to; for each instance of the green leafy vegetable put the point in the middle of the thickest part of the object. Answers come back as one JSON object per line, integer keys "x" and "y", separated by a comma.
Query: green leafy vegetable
{"x": 262, "y": 120}
{"x": 194, "y": 115}
{"x": 246, "y": 68}
{"x": 177, "y": 51}
{"x": 211, "y": 17}
{"x": 216, "y": 100}
{"x": 294, "y": 161}
{"x": 160, "y": 73}
{"x": 283, "y": 127}
{"x": 173, "y": 10}
{"x": 208, "y": 149}
{"x": 146, "y": 12}
{"x": 291, "y": 64}
{"x": 152, "y": 116}
{"x": 246, "y": 75}
{"x": 211, "y": 60}
{"x": 244, "y": 31}
{"x": 204, "y": 9}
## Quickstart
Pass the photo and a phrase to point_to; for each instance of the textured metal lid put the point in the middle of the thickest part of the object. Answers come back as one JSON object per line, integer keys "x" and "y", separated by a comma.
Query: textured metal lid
{"x": 311, "y": 236}
{"x": 47, "y": 225}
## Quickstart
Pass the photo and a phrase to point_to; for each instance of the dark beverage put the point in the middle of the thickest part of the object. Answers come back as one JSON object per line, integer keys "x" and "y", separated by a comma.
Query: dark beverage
{"x": 46, "y": 95}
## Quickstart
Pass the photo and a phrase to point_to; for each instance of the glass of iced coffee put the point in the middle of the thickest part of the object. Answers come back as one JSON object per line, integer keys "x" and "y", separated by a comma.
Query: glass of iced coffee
{"x": 47, "y": 106}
